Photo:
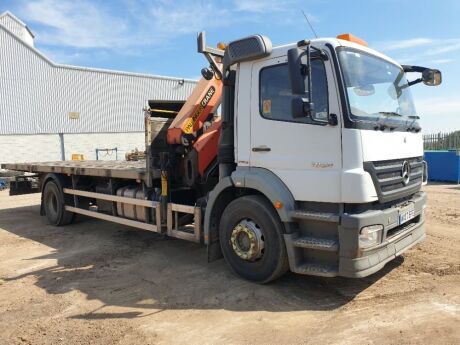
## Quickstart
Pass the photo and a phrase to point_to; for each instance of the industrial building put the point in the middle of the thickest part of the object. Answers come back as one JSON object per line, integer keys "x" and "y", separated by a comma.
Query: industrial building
{"x": 50, "y": 111}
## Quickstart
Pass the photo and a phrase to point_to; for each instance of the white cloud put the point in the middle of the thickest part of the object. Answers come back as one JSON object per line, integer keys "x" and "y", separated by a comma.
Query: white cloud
{"x": 439, "y": 106}
{"x": 441, "y": 61}
{"x": 61, "y": 56}
{"x": 286, "y": 11}
{"x": 439, "y": 113}
{"x": 261, "y": 6}
{"x": 424, "y": 60}
{"x": 77, "y": 24}
{"x": 83, "y": 24}
{"x": 92, "y": 24}
{"x": 421, "y": 50}
{"x": 89, "y": 24}
{"x": 178, "y": 18}
{"x": 444, "y": 46}
{"x": 403, "y": 44}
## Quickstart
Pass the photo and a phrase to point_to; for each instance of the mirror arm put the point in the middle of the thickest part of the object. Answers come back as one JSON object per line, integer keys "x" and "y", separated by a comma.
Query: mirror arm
{"x": 409, "y": 68}
{"x": 317, "y": 53}
{"x": 413, "y": 82}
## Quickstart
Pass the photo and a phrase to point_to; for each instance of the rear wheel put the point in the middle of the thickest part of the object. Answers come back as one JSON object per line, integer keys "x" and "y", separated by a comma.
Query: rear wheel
{"x": 53, "y": 203}
{"x": 251, "y": 239}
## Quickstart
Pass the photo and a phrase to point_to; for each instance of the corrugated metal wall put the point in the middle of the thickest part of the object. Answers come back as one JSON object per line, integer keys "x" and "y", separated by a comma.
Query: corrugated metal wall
{"x": 37, "y": 95}
{"x": 47, "y": 147}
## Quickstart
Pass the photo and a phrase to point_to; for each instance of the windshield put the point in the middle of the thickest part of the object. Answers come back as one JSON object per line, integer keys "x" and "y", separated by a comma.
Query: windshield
{"x": 376, "y": 88}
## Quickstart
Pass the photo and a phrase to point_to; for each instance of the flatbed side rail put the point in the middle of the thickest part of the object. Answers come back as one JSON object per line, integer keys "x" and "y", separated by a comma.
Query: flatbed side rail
{"x": 115, "y": 198}
{"x": 190, "y": 232}
{"x": 115, "y": 219}
{"x": 187, "y": 232}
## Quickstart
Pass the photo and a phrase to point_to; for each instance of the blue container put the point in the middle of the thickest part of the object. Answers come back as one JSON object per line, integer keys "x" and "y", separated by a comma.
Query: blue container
{"x": 443, "y": 165}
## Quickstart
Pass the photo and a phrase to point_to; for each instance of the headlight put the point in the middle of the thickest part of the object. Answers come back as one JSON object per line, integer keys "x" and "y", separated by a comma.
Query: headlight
{"x": 370, "y": 235}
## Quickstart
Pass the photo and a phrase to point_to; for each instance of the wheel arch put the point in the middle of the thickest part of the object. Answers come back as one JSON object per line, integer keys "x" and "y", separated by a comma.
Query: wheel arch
{"x": 60, "y": 181}
{"x": 269, "y": 185}
{"x": 243, "y": 181}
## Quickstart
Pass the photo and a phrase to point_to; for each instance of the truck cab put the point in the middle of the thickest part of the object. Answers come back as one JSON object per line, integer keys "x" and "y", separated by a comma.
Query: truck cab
{"x": 340, "y": 161}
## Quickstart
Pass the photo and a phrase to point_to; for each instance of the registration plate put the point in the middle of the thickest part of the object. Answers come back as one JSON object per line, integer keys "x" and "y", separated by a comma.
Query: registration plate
{"x": 406, "y": 214}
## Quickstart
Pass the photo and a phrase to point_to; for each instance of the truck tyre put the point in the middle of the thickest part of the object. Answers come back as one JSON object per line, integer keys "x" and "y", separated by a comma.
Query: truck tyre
{"x": 251, "y": 238}
{"x": 53, "y": 203}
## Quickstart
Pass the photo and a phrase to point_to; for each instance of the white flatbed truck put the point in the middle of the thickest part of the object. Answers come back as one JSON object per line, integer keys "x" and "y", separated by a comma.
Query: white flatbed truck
{"x": 315, "y": 165}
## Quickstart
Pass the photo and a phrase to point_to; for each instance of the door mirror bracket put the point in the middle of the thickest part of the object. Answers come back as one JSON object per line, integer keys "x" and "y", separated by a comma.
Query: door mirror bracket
{"x": 301, "y": 108}
{"x": 332, "y": 120}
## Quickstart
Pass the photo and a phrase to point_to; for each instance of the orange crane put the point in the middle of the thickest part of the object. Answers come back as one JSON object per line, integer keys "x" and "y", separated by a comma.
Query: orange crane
{"x": 197, "y": 126}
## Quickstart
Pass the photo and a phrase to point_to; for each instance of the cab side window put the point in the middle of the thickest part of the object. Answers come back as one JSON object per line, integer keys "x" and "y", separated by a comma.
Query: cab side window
{"x": 275, "y": 92}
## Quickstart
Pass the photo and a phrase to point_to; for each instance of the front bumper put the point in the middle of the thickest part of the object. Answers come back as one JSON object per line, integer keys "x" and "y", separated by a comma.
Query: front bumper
{"x": 356, "y": 262}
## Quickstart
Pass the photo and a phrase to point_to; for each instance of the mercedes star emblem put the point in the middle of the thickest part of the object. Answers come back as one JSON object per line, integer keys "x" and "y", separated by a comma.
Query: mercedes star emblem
{"x": 405, "y": 172}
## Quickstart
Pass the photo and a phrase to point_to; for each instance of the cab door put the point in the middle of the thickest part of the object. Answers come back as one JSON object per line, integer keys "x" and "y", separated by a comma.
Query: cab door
{"x": 306, "y": 156}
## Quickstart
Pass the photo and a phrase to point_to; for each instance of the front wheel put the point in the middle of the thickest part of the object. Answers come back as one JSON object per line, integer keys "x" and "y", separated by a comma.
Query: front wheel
{"x": 251, "y": 239}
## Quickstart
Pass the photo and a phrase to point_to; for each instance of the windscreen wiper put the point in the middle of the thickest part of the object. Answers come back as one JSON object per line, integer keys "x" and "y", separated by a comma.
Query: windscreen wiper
{"x": 383, "y": 124}
{"x": 389, "y": 113}
{"x": 387, "y": 122}
{"x": 392, "y": 113}
{"x": 414, "y": 126}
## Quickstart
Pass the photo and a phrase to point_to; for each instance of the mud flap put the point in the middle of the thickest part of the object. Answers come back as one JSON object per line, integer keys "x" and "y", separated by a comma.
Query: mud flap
{"x": 214, "y": 251}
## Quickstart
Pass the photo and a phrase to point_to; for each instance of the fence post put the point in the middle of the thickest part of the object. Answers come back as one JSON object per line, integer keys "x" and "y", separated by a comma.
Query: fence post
{"x": 442, "y": 141}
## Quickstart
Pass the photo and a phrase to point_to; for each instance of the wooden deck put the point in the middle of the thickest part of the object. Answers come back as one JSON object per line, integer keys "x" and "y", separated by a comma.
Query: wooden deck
{"x": 116, "y": 169}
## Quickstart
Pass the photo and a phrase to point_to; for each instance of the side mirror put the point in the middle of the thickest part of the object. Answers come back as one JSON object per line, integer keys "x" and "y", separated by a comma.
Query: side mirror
{"x": 300, "y": 79}
{"x": 296, "y": 71}
{"x": 432, "y": 77}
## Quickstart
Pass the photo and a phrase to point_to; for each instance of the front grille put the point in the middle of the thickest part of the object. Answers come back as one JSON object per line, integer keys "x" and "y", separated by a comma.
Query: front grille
{"x": 388, "y": 177}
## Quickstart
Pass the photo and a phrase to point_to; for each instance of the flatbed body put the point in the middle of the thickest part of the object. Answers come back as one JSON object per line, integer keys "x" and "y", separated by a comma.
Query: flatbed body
{"x": 116, "y": 169}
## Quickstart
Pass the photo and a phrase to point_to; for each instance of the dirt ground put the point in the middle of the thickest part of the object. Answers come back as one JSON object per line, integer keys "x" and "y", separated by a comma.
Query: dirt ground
{"x": 99, "y": 283}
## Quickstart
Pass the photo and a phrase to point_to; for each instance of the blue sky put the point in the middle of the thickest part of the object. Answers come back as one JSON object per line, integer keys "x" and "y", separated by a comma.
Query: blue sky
{"x": 159, "y": 36}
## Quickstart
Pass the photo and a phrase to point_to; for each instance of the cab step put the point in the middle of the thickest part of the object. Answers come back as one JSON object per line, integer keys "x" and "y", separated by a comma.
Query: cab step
{"x": 330, "y": 245}
{"x": 320, "y": 216}
{"x": 314, "y": 269}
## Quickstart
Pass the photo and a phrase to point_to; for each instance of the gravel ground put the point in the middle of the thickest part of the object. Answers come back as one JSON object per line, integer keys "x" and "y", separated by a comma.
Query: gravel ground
{"x": 101, "y": 283}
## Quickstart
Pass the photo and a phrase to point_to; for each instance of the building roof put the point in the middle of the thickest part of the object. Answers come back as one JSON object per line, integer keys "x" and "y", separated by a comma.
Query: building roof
{"x": 17, "y": 20}
{"x": 101, "y": 70}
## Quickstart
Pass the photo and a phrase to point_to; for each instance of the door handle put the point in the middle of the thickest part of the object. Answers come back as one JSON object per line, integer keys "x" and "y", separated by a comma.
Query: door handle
{"x": 261, "y": 149}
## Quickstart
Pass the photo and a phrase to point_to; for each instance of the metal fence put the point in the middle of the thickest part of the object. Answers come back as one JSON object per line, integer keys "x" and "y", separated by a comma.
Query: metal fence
{"x": 442, "y": 141}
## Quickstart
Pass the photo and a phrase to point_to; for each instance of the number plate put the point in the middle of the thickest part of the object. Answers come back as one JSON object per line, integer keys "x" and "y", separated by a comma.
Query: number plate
{"x": 406, "y": 214}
